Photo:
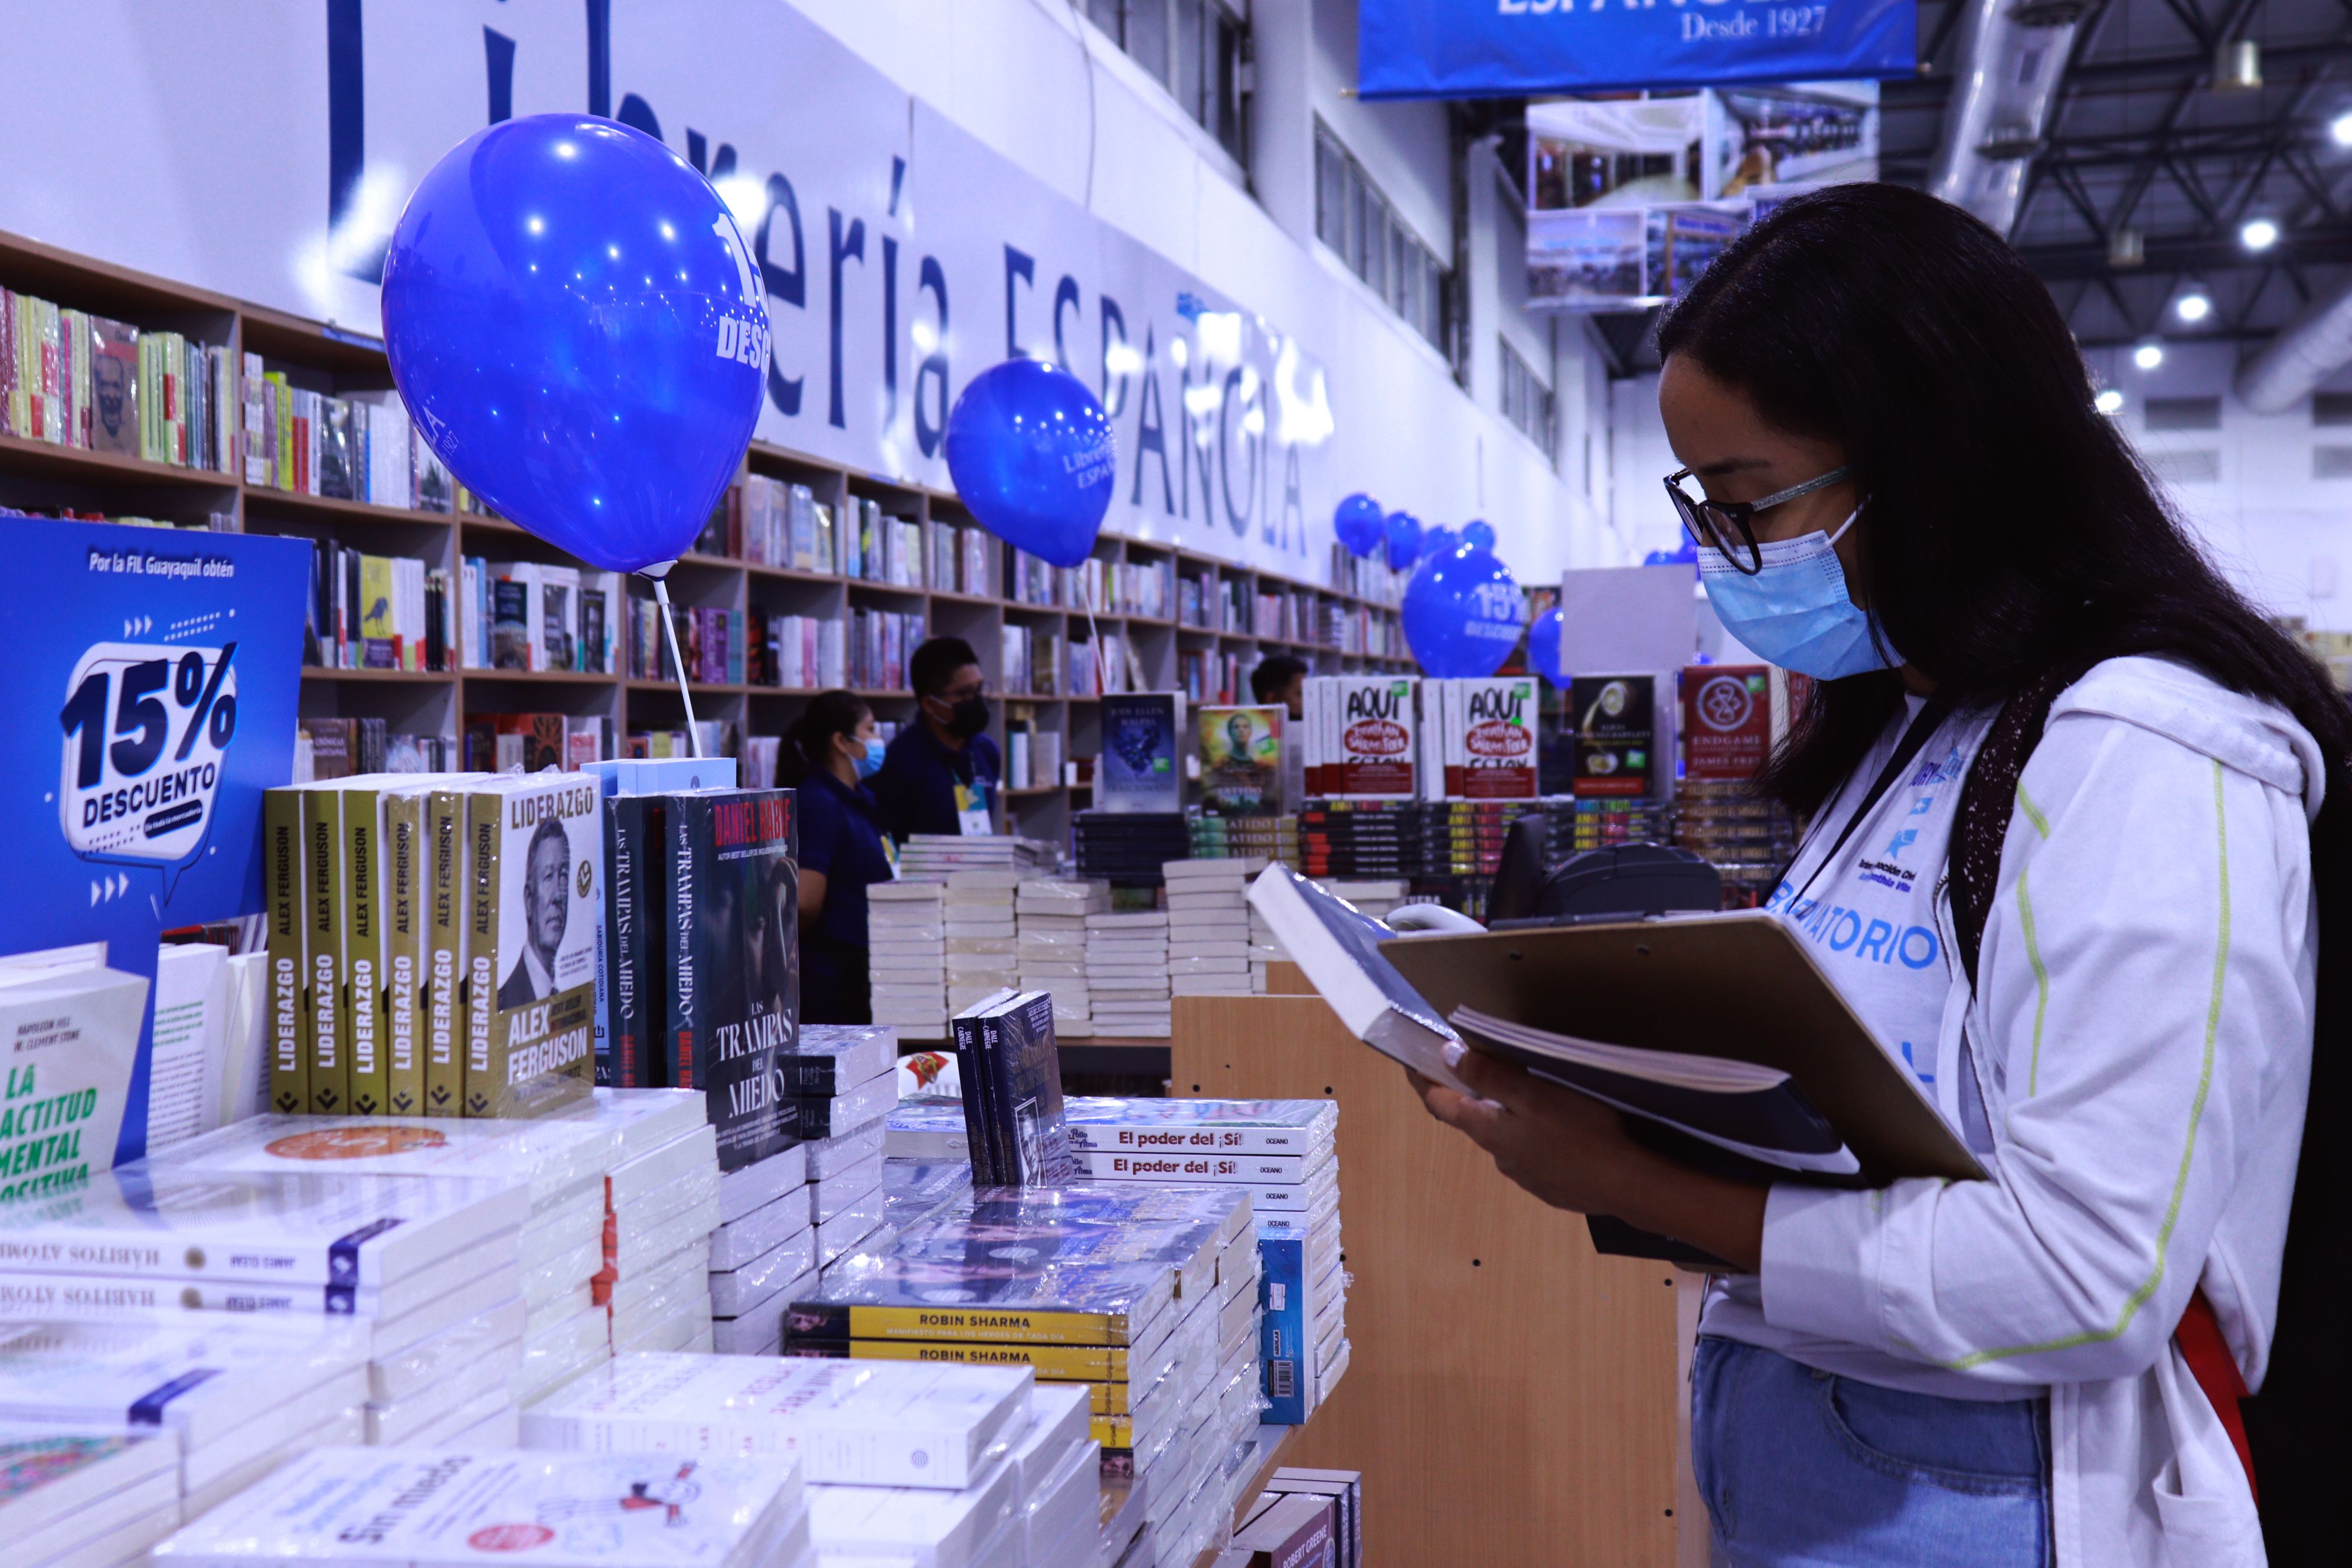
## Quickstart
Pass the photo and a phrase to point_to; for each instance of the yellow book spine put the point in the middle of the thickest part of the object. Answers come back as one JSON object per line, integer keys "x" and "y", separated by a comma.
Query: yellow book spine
{"x": 281, "y": 871}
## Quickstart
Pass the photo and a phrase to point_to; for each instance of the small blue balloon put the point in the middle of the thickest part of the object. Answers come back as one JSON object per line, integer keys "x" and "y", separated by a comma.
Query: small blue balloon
{"x": 1032, "y": 453}
{"x": 1360, "y": 523}
{"x": 1402, "y": 535}
{"x": 1480, "y": 532}
{"x": 1543, "y": 647}
{"x": 1436, "y": 541}
{"x": 1463, "y": 613}
{"x": 580, "y": 333}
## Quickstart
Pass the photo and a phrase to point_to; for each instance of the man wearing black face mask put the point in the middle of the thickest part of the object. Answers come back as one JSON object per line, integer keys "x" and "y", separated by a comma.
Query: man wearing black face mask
{"x": 939, "y": 775}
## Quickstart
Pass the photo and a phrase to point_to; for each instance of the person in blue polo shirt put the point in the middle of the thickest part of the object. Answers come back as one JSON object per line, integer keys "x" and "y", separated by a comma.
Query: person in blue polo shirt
{"x": 829, "y": 751}
{"x": 940, "y": 773}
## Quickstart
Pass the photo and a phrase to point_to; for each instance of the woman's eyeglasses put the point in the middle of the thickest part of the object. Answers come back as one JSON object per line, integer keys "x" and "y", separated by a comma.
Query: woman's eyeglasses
{"x": 1728, "y": 526}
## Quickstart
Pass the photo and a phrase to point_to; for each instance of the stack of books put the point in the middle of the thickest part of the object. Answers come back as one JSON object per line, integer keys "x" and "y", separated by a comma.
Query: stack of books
{"x": 846, "y": 1079}
{"x": 1269, "y": 837}
{"x": 1359, "y": 838}
{"x": 946, "y": 1465}
{"x": 624, "y": 1510}
{"x": 931, "y": 857}
{"x": 1127, "y": 974}
{"x": 1286, "y": 1152}
{"x": 905, "y": 929}
{"x": 94, "y": 1495}
{"x": 233, "y": 1398}
{"x": 1050, "y": 918}
{"x": 763, "y": 1244}
{"x": 1128, "y": 848}
{"x": 426, "y": 1273}
{"x": 662, "y": 1206}
{"x": 980, "y": 929}
{"x": 1344, "y": 1489}
{"x": 1116, "y": 1288}
{"x": 1208, "y": 926}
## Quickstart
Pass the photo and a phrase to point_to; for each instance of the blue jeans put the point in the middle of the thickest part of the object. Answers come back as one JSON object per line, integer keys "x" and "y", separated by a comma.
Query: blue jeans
{"x": 1803, "y": 1470}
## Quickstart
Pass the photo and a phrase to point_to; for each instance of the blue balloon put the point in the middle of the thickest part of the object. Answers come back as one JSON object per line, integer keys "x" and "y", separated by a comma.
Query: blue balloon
{"x": 580, "y": 333}
{"x": 1436, "y": 541}
{"x": 1360, "y": 523}
{"x": 1463, "y": 613}
{"x": 1404, "y": 538}
{"x": 1031, "y": 454}
{"x": 1479, "y": 533}
{"x": 1543, "y": 647}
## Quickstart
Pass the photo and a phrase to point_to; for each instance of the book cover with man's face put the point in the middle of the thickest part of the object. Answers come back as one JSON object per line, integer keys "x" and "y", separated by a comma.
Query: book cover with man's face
{"x": 535, "y": 858}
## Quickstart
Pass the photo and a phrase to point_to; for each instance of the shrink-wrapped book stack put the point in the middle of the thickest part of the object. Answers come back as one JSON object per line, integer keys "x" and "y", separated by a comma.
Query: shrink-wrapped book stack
{"x": 1127, "y": 974}
{"x": 907, "y": 946}
{"x": 424, "y": 1509}
{"x": 1051, "y": 918}
{"x": 980, "y": 934}
{"x": 1208, "y": 926}
{"x": 846, "y": 1080}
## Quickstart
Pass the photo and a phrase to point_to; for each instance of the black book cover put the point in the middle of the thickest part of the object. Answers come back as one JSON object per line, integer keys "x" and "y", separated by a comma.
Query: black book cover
{"x": 734, "y": 948}
{"x": 977, "y": 1130}
{"x": 1024, "y": 1093}
{"x": 635, "y": 944}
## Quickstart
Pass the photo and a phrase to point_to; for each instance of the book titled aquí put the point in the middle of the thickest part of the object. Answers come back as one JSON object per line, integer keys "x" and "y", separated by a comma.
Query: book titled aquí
{"x": 733, "y": 886}
{"x": 534, "y": 859}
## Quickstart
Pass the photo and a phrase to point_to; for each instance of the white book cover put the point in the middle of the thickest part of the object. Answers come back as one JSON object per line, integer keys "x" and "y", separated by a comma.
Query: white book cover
{"x": 380, "y": 1505}
{"x": 649, "y": 1118}
{"x": 352, "y": 1233}
{"x": 851, "y": 1423}
{"x": 1489, "y": 739}
{"x": 191, "y": 1049}
{"x": 550, "y": 1155}
{"x": 939, "y": 1529}
{"x": 201, "y": 1378}
{"x": 71, "y": 1039}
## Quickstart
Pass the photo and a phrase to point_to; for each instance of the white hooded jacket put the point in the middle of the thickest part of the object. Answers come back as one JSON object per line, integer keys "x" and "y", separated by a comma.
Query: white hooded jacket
{"x": 2140, "y": 1039}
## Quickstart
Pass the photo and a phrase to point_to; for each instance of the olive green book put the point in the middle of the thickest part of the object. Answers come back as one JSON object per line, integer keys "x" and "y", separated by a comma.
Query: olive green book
{"x": 363, "y": 968}
{"x": 285, "y": 911}
{"x": 534, "y": 877}
{"x": 322, "y": 918}
{"x": 442, "y": 996}
{"x": 400, "y": 829}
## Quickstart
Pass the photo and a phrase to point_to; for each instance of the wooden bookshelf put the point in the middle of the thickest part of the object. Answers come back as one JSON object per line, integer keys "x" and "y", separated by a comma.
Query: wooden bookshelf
{"x": 39, "y": 477}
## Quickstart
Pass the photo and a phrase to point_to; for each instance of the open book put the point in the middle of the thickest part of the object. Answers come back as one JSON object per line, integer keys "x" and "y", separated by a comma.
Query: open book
{"x": 1790, "y": 1078}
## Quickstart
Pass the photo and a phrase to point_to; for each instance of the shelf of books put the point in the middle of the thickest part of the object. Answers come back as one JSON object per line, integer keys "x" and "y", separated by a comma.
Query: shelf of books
{"x": 441, "y": 630}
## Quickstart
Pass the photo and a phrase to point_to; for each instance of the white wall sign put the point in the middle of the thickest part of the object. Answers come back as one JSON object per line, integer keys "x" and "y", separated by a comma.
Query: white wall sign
{"x": 265, "y": 151}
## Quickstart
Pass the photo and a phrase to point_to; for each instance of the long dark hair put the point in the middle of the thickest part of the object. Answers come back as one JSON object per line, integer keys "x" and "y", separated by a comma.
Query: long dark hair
{"x": 809, "y": 742}
{"x": 2007, "y": 528}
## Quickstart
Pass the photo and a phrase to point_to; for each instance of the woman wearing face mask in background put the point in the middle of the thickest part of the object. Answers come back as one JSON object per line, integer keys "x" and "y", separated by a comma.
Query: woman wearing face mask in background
{"x": 1899, "y": 485}
{"x": 829, "y": 752}
{"x": 940, "y": 773}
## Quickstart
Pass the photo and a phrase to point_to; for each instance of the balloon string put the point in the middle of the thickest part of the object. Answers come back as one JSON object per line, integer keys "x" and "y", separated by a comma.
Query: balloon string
{"x": 678, "y": 665}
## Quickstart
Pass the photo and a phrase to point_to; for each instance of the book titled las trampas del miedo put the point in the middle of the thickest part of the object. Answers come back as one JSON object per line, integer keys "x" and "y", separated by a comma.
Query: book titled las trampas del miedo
{"x": 535, "y": 858}
{"x": 733, "y": 917}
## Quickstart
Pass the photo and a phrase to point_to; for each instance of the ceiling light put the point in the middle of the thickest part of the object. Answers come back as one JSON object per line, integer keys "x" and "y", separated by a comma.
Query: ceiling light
{"x": 2147, "y": 356}
{"x": 2109, "y": 402}
{"x": 2126, "y": 247}
{"x": 2238, "y": 65}
{"x": 2339, "y": 129}
{"x": 2258, "y": 233}
{"x": 2193, "y": 306}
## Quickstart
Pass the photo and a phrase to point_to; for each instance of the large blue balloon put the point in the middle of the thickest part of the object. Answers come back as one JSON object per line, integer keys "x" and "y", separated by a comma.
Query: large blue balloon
{"x": 1462, "y": 614}
{"x": 1360, "y": 523}
{"x": 1543, "y": 647}
{"x": 1031, "y": 454}
{"x": 1480, "y": 532}
{"x": 1404, "y": 538}
{"x": 580, "y": 333}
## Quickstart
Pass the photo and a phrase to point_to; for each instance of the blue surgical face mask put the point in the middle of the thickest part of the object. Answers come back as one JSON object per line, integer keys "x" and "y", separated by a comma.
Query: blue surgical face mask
{"x": 1795, "y": 611}
{"x": 869, "y": 762}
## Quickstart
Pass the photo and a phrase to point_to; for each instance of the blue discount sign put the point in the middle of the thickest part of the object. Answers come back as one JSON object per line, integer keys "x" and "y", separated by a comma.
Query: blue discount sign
{"x": 1486, "y": 48}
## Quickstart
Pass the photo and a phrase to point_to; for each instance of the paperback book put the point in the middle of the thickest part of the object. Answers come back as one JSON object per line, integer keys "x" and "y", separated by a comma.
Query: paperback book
{"x": 1141, "y": 767}
{"x": 534, "y": 861}
{"x": 1012, "y": 1091}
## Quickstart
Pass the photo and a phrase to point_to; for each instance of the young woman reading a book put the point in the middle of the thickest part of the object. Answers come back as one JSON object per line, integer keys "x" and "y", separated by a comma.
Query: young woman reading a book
{"x": 2107, "y": 979}
{"x": 829, "y": 752}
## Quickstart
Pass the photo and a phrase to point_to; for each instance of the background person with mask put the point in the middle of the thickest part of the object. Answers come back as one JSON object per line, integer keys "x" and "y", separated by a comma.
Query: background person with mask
{"x": 940, "y": 773}
{"x": 828, "y": 753}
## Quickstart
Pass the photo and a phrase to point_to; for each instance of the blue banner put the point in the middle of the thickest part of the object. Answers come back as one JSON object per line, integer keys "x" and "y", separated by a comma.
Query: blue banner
{"x": 1492, "y": 48}
{"x": 153, "y": 683}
